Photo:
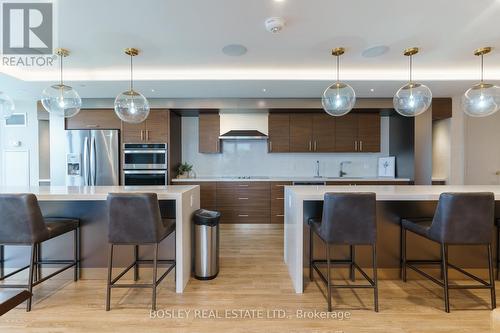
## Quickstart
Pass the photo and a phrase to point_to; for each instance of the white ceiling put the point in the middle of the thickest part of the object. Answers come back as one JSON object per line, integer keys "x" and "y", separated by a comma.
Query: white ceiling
{"x": 181, "y": 43}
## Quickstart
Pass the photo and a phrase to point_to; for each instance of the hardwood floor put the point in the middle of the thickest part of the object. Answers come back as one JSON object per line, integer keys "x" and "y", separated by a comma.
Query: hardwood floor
{"x": 252, "y": 277}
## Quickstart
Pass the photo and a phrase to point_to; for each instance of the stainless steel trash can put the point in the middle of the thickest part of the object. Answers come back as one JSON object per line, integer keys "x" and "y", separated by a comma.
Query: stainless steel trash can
{"x": 206, "y": 239}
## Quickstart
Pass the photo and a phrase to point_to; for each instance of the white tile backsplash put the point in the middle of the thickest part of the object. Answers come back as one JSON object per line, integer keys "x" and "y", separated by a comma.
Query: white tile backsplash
{"x": 250, "y": 158}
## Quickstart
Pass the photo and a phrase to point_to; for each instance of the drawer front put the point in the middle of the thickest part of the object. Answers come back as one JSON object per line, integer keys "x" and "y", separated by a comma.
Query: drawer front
{"x": 278, "y": 189}
{"x": 244, "y": 215}
{"x": 243, "y": 194}
{"x": 277, "y": 207}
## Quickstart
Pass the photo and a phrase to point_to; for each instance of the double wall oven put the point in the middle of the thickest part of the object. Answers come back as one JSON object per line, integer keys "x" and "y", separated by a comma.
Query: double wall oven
{"x": 145, "y": 164}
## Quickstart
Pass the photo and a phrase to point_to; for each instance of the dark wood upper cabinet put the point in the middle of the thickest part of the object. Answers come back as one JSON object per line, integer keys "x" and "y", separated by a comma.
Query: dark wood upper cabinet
{"x": 358, "y": 132}
{"x": 279, "y": 132}
{"x": 157, "y": 127}
{"x": 368, "y": 132}
{"x": 153, "y": 130}
{"x": 301, "y": 131}
{"x": 93, "y": 119}
{"x": 209, "y": 132}
{"x": 441, "y": 108}
{"x": 346, "y": 133}
{"x": 317, "y": 131}
{"x": 323, "y": 133}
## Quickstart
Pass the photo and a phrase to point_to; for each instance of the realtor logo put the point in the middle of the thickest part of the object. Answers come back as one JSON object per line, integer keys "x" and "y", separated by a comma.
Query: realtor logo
{"x": 27, "y": 28}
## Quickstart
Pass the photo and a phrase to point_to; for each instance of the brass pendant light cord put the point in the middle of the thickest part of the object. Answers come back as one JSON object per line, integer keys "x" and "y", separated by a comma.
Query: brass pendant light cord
{"x": 61, "y": 69}
{"x": 131, "y": 74}
{"x": 411, "y": 67}
{"x": 338, "y": 69}
{"x": 482, "y": 68}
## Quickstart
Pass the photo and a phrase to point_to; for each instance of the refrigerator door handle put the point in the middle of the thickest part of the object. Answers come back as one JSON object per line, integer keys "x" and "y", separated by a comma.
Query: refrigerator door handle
{"x": 86, "y": 161}
{"x": 93, "y": 161}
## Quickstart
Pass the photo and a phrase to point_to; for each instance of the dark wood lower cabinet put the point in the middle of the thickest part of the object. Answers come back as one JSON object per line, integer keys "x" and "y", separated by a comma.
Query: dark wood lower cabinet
{"x": 244, "y": 202}
{"x": 255, "y": 201}
{"x": 278, "y": 201}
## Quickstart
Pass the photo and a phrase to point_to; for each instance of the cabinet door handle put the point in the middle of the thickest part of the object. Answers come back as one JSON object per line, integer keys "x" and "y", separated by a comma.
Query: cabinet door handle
{"x": 243, "y": 185}
{"x": 280, "y": 215}
{"x": 310, "y": 145}
{"x": 355, "y": 145}
{"x": 242, "y": 215}
{"x": 286, "y": 185}
{"x": 315, "y": 145}
{"x": 270, "y": 146}
{"x": 142, "y": 135}
{"x": 242, "y": 198}
{"x": 361, "y": 145}
{"x": 147, "y": 135}
{"x": 92, "y": 125}
{"x": 280, "y": 198}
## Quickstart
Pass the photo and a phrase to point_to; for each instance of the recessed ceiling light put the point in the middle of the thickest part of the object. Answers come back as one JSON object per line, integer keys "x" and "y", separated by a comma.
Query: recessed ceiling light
{"x": 372, "y": 90}
{"x": 375, "y": 51}
{"x": 234, "y": 50}
{"x": 279, "y": 0}
{"x": 152, "y": 90}
{"x": 264, "y": 89}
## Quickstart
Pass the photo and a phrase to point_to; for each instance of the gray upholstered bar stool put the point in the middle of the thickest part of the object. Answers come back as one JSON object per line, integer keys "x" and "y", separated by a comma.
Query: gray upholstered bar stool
{"x": 348, "y": 219}
{"x": 460, "y": 219}
{"x": 135, "y": 219}
{"x": 22, "y": 223}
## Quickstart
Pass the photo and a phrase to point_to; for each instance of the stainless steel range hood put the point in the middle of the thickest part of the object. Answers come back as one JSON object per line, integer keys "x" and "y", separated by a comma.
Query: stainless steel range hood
{"x": 243, "y": 135}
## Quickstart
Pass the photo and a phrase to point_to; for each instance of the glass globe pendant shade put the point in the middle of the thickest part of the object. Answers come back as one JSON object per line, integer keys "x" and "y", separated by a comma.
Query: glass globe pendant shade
{"x": 61, "y": 100}
{"x": 131, "y": 107}
{"x": 481, "y": 100}
{"x": 338, "y": 99}
{"x": 6, "y": 106}
{"x": 412, "y": 99}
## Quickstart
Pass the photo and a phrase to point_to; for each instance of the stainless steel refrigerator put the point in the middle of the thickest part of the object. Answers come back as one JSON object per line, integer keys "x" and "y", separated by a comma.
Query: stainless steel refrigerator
{"x": 92, "y": 158}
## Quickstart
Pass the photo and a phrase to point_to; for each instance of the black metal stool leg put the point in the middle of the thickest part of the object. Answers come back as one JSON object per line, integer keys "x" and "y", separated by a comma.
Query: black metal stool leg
{"x": 498, "y": 252}
{"x": 329, "y": 281}
{"x": 136, "y": 266}
{"x": 155, "y": 273}
{"x": 444, "y": 262}
{"x": 311, "y": 249}
{"x": 375, "y": 277}
{"x": 403, "y": 253}
{"x": 30, "y": 276}
{"x": 76, "y": 254}
{"x": 492, "y": 279}
{"x": 352, "y": 273}
{"x": 110, "y": 269}
{"x": 2, "y": 261}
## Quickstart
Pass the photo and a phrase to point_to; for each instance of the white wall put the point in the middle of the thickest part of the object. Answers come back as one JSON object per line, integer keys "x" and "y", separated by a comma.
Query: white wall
{"x": 250, "y": 158}
{"x": 28, "y": 138}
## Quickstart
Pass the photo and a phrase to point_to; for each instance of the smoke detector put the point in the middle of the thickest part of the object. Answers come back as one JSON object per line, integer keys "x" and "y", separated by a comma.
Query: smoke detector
{"x": 275, "y": 24}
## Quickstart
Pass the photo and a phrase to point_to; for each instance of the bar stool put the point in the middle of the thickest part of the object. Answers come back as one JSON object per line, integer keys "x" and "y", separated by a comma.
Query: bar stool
{"x": 460, "y": 219}
{"x": 348, "y": 219}
{"x": 22, "y": 223}
{"x": 135, "y": 219}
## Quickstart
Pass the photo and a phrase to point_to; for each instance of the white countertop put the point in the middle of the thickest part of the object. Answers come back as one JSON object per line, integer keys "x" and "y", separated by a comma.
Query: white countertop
{"x": 391, "y": 192}
{"x": 86, "y": 193}
{"x": 289, "y": 179}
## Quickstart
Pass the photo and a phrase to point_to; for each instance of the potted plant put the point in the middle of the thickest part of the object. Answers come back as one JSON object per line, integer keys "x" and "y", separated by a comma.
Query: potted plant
{"x": 183, "y": 170}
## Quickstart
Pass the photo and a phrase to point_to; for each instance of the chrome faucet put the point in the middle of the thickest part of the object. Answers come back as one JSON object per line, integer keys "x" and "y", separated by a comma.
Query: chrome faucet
{"x": 342, "y": 173}
{"x": 317, "y": 170}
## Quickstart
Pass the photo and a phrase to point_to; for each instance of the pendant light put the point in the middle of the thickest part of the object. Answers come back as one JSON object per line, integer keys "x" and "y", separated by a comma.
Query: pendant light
{"x": 6, "y": 106}
{"x": 482, "y": 99}
{"x": 61, "y": 99}
{"x": 131, "y": 106}
{"x": 413, "y": 98}
{"x": 339, "y": 98}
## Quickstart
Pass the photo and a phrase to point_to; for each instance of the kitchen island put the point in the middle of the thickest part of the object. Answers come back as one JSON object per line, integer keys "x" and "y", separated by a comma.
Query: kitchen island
{"x": 88, "y": 203}
{"x": 393, "y": 202}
